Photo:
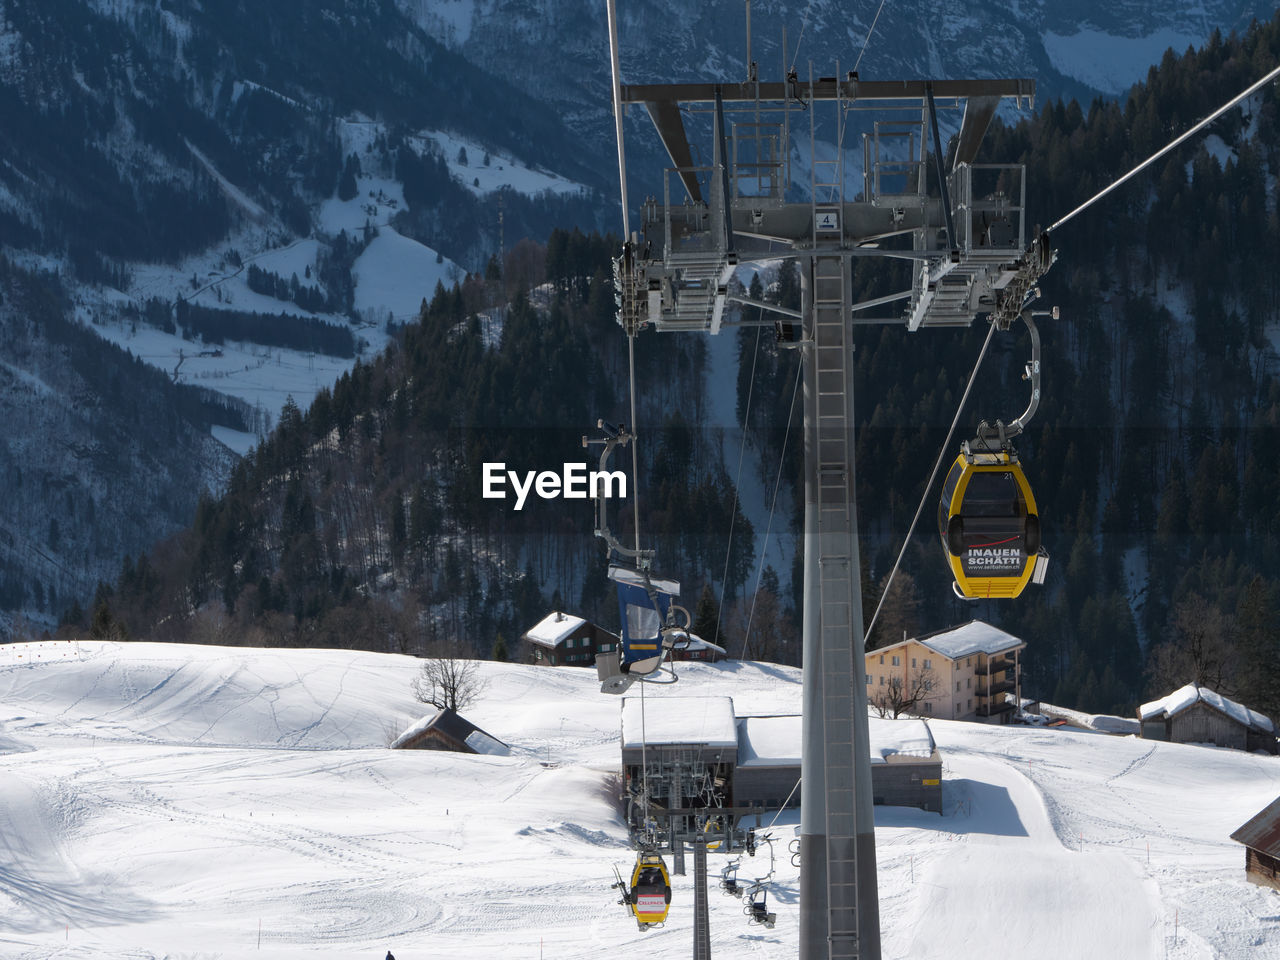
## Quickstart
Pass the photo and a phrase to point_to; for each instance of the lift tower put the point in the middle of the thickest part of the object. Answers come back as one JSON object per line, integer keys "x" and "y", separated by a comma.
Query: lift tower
{"x": 963, "y": 231}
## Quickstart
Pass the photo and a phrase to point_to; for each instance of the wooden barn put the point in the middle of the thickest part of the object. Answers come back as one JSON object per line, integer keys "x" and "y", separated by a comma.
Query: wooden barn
{"x": 445, "y": 730}
{"x": 1196, "y": 714}
{"x": 1261, "y": 839}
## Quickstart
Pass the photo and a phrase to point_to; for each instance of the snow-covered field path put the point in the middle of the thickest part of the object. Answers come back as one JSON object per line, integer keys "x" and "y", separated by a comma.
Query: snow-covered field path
{"x": 167, "y": 801}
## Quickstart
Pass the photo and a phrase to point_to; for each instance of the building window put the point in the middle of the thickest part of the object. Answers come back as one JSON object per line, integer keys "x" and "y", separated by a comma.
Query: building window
{"x": 882, "y": 681}
{"x": 882, "y": 659}
{"x": 928, "y": 664}
{"x": 537, "y": 654}
{"x": 957, "y": 686}
{"x": 968, "y": 661}
{"x": 968, "y": 682}
{"x": 928, "y": 707}
{"x": 969, "y": 705}
{"x": 957, "y": 710}
{"x": 868, "y": 679}
{"x": 913, "y": 661}
{"x": 606, "y": 648}
{"x": 895, "y": 661}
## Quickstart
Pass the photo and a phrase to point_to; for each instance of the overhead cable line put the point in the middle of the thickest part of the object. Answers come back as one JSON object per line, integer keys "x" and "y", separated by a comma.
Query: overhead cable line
{"x": 924, "y": 498}
{"x": 764, "y": 546}
{"x": 1254, "y": 88}
{"x": 804, "y": 23}
{"x": 733, "y": 513}
{"x": 617, "y": 115}
{"x": 874, "y": 21}
{"x": 1274, "y": 74}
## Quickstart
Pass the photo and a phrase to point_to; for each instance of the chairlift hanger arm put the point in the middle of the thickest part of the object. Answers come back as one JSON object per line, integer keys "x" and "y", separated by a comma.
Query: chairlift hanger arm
{"x": 615, "y": 437}
{"x": 1000, "y": 433}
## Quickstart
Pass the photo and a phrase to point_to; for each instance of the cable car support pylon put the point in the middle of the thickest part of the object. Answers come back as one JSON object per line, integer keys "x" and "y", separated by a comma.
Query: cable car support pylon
{"x": 970, "y": 254}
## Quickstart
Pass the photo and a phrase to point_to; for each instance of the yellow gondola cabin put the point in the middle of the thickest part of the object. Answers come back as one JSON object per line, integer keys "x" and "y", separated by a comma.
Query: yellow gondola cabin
{"x": 989, "y": 526}
{"x": 650, "y": 895}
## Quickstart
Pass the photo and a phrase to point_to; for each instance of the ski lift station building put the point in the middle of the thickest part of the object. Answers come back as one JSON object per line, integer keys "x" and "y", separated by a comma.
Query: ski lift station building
{"x": 755, "y": 760}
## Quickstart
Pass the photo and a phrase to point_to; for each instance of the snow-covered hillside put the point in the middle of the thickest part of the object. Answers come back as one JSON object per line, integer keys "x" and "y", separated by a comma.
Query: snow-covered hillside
{"x": 164, "y": 801}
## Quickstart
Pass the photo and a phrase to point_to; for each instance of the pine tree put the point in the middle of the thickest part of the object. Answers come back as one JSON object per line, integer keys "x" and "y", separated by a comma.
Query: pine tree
{"x": 347, "y": 186}
{"x": 706, "y": 616}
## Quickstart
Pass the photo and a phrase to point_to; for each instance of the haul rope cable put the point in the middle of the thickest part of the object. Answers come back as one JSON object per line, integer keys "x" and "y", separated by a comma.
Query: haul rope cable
{"x": 946, "y": 444}
{"x": 733, "y": 514}
{"x": 777, "y": 483}
{"x": 1274, "y": 74}
{"x": 868, "y": 39}
{"x": 631, "y": 364}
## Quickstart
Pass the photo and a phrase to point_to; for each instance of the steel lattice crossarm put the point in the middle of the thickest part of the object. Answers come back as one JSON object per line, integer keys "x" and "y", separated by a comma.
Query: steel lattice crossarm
{"x": 964, "y": 229}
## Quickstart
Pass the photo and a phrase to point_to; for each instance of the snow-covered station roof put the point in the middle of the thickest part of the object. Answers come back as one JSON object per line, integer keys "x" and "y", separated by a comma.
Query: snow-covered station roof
{"x": 553, "y": 628}
{"x": 775, "y": 741}
{"x": 1192, "y": 693}
{"x": 660, "y": 721}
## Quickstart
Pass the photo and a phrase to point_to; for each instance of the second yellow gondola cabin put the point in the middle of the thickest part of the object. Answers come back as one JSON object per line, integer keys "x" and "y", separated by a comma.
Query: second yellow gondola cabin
{"x": 650, "y": 894}
{"x": 989, "y": 526}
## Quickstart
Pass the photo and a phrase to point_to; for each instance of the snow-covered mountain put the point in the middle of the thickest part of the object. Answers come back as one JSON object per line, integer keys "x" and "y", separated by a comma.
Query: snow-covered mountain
{"x": 246, "y": 200}
{"x": 293, "y": 173}
{"x": 1078, "y": 48}
{"x": 164, "y": 800}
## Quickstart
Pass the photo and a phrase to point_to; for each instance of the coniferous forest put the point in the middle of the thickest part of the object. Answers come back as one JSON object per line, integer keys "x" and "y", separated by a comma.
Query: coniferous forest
{"x": 1155, "y": 454}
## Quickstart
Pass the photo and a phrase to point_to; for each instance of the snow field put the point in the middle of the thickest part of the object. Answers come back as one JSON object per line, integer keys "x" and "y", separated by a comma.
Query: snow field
{"x": 173, "y": 801}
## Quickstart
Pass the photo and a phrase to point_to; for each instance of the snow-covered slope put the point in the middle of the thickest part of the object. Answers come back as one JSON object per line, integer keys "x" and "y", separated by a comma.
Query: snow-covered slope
{"x": 1076, "y": 48}
{"x": 164, "y": 800}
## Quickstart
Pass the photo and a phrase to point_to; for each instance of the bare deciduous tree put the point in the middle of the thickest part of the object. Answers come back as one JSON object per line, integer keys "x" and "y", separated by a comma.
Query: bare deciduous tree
{"x": 1201, "y": 648}
{"x": 448, "y": 683}
{"x": 902, "y": 695}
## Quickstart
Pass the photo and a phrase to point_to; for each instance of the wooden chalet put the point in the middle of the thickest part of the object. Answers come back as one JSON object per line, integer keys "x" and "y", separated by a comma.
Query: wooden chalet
{"x": 446, "y": 730}
{"x": 1261, "y": 839}
{"x": 563, "y": 640}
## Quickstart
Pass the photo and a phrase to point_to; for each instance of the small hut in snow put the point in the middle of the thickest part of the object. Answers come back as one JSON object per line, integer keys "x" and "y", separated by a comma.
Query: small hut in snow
{"x": 1196, "y": 714}
{"x": 445, "y": 730}
{"x": 1261, "y": 838}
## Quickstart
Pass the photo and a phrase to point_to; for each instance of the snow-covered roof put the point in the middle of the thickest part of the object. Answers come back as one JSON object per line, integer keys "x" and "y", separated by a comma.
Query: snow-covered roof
{"x": 776, "y": 741}
{"x": 1184, "y": 697}
{"x": 657, "y": 721}
{"x": 974, "y": 637}
{"x": 481, "y": 742}
{"x": 553, "y": 628}
{"x": 1262, "y": 831}
{"x": 456, "y": 727}
{"x": 691, "y": 641}
{"x": 416, "y": 728}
